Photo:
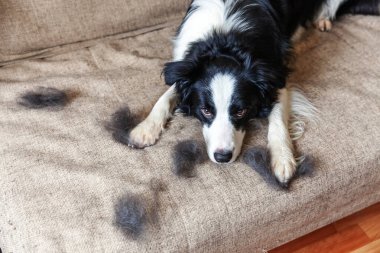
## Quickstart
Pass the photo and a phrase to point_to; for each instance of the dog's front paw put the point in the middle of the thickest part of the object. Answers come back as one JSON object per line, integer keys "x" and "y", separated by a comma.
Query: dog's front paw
{"x": 324, "y": 25}
{"x": 145, "y": 134}
{"x": 284, "y": 169}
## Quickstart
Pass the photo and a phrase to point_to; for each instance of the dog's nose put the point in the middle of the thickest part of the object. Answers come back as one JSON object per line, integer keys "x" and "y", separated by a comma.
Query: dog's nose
{"x": 223, "y": 156}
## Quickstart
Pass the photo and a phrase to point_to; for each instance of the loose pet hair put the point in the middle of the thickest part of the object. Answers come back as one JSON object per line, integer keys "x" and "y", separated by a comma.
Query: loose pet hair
{"x": 130, "y": 215}
{"x": 44, "y": 97}
{"x": 133, "y": 212}
{"x": 186, "y": 155}
{"x": 230, "y": 65}
{"x": 258, "y": 158}
{"x": 121, "y": 123}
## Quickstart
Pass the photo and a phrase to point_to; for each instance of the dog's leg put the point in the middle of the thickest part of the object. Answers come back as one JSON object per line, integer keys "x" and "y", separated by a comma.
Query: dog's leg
{"x": 279, "y": 141}
{"x": 147, "y": 132}
{"x": 326, "y": 15}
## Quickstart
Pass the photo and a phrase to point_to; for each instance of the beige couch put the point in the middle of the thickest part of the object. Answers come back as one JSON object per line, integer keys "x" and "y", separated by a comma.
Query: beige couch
{"x": 61, "y": 173}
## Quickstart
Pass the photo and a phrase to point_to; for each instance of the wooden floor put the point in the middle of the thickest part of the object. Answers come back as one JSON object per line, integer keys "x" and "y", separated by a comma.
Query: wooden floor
{"x": 358, "y": 233}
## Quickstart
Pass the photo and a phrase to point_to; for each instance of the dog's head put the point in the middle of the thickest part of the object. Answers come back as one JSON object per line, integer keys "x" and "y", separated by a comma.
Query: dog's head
{"x": 224, "y": 89}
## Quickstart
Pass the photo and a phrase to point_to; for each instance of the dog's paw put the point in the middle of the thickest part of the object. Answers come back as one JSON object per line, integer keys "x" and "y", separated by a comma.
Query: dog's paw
{"x": 324, "y": 25}
{"x": 145, "y": 134}
{"x": 284, "y": 170}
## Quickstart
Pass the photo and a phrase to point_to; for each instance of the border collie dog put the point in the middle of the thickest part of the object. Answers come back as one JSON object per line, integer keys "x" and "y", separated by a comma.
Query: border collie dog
{"x": 230, "y": 65}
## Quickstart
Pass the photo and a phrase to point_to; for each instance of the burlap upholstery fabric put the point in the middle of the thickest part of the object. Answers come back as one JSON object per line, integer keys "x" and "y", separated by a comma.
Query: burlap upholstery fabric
{"x": 61, "y": 172}
{"x": 31, "y": 28}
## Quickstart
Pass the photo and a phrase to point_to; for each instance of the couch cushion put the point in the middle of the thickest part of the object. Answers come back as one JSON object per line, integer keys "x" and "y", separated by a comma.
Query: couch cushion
{"x": 61, "y": 172}
{"x": 29, "y": 26}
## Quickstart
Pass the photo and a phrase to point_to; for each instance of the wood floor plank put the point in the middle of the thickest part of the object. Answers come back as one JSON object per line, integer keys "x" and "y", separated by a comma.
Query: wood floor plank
{"x": 354, "y": 232}
{"x": 371, "y": 226}
{"x": 355, "y": 218}
{"x": 373, "y": 247}
{"x": 301, "y": 242}
{"x": 346, "y": 240}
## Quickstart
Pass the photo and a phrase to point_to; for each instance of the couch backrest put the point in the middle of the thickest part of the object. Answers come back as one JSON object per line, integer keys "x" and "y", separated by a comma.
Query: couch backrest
{"x": 30, "y": 27}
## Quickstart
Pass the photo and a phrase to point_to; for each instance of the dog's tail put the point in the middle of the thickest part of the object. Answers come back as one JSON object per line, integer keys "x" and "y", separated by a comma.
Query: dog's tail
{"x": 361, "y": 7}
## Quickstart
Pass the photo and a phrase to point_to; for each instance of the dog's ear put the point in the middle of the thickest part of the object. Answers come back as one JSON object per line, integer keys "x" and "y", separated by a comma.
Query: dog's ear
{"x": 270, "y": 75}
{"x": 178, "y": 72}
{"x": 266, "y": 80}
{"x": 182, "y": 74}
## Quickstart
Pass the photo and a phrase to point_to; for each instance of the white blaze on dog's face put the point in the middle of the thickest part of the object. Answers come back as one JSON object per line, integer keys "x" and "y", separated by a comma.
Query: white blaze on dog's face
{"x": 223, "y": 140}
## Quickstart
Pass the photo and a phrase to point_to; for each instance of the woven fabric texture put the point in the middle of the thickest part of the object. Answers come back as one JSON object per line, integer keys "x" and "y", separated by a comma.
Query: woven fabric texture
{"x": 30, "y": 28}
{"x": 61, "y": 173}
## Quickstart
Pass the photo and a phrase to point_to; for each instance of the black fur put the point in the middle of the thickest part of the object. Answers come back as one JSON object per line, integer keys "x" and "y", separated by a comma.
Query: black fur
{"x": 306, "y": 167}
{"x": 122, "y": 122}
{"x": 364, "y": 7}
{"x": 130, "y": 215}
{"x": 133, "y": 213}
{"x": 258, "y": 158}
{"x": 44, "y": 97}
{"x": 186, "y": 155}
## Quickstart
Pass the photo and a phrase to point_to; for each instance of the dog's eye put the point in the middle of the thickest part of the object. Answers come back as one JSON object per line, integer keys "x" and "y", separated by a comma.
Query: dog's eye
{"x": 240, "y": 114}
{"x": 206, "y": 112}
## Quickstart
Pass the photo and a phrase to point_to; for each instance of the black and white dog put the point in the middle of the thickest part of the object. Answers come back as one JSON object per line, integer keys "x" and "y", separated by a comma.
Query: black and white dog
{"x": 230, "y": 65}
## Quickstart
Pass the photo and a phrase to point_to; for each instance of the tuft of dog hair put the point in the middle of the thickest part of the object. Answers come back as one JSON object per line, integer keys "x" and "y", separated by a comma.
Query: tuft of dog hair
{"x": 258, "y": 158}
{"x": 186, "y": 155}
{"x": 306, "y": 166}
{"x": 134, "y": 212}
{"x": 44, "y": 97}
{"x": 122, "y": 122}
{"x": 130, "y": 215}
